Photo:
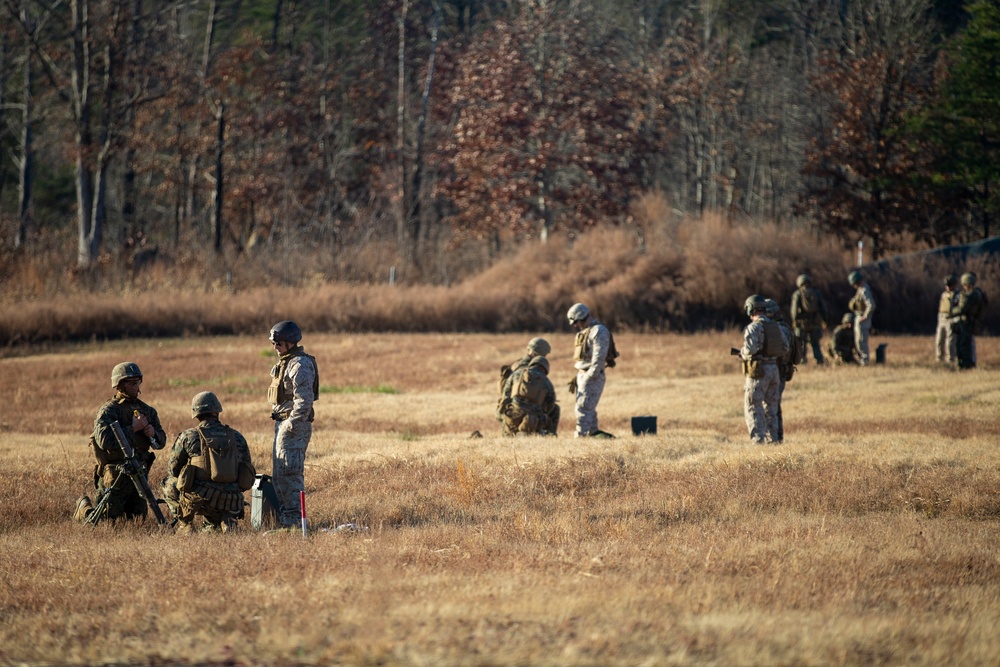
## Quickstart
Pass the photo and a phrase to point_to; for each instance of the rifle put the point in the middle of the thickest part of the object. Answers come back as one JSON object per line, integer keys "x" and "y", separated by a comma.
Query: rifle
{"x": 735, "y": 351}
{"x": 131, "y": 467}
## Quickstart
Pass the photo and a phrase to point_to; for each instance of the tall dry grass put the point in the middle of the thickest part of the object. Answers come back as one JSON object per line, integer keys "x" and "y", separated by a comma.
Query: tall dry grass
{"x": 657, "y": 275}
{"x": 868, "y": 538}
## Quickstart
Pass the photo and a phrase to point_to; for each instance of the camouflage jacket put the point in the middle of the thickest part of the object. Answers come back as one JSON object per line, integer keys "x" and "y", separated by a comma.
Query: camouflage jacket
{"x": 120, "y": 409}
{"x": 188, "y": 446}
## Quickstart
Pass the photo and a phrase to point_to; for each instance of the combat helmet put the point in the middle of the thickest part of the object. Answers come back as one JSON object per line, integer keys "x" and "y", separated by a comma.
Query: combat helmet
{"x": 771, "y": 307}
{"x": 204, "y": 403}
{"x": 854, "y": 277}
{"x": 848, "y": 318}
{"x": 124, "y": 371}
{"x": 541, "y": 362}
{"x": 754, "y": 303}
{"x": 803, "y": 279}
{"x": 950, "y": 280}
{"x": 578, "y": 312}
{"x": 969, "y": 278}
{"x": 286, "y": 332}
{"x": 539, "y": 346}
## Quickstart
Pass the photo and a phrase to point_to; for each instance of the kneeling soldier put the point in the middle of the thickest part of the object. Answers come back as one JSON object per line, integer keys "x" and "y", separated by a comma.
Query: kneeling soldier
{"x": 532, "y": 405}
{"x": 208, "y": 471}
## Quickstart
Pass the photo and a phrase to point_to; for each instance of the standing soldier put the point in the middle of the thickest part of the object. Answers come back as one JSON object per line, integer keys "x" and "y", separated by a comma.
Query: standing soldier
{"x": 786, "y": 362}
{"x": 862, "y": 304}
{"x": 944, "y": 340}
{"x": 763, "y": 343}
{"x": 842, "y": 344}
{"x": 208, "y": 471}
{"x": 141, "y": 426}
{"x": 967, "y": 314}
{"x": 593, "y": 351}
{"x": 532, "y": 407}
{"x": 537, "y": 347}
{"x": 294, "y": 387}
{"x": 808, "y": 317}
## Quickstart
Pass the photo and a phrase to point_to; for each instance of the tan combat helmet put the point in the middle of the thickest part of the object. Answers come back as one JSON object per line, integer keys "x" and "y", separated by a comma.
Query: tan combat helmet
{"x": 205, "y": 403}
{"x": 848, "y": 318}
{"x": 578, "y": 312}
{"x": 804, "y": 279}
{"x": 771, "y": 307}
{"x": 124, "y": 371}
{"x": 854, "y": 277}
{"x": 539, "y": 347}
{"x": 969, "y": 278}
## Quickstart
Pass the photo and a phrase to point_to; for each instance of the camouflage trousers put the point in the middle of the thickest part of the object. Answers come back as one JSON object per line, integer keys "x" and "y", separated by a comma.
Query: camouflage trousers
{"x": 531, "y": 419}
{"x": 862, "y": 333}
{"x": 186, "y": 506}
{"x": 761, "y": 402}
{"x": 588, "y": 393}
{"x": 945, "y": 341}
{"x": 288, "y": 463}
{"x": 124, "y": 501}
{"x": 965, "y": 345}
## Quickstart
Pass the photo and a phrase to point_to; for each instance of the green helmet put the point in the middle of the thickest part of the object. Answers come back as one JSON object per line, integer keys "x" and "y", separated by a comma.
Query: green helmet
{"x": 804, "y": 279}
{"x": 754, "y": 303}
{"x": 540, "y": 362}
{"x": 771, "y": 307}
{"x": 969, "y": 278}
{"x": 539, "y": 346}
{"x": 124, "y": 371}
{"x": 854, "y": 277}
{"x": 848, "y": 318}
{"x": 204, "y": 403}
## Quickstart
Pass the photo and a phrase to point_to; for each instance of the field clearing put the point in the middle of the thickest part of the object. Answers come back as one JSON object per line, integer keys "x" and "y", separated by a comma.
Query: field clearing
{"x": 870, "y": 537}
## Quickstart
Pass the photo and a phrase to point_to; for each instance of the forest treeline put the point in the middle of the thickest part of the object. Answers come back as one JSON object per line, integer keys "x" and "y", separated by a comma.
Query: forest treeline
{"x": 424, "y": 139}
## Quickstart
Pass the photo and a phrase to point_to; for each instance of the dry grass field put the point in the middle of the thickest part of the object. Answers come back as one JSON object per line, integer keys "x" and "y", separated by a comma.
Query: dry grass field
{"x": 871, "y": 537}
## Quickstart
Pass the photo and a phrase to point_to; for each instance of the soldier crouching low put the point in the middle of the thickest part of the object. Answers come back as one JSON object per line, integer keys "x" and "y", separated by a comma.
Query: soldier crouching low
{"x": 208, "y": 471}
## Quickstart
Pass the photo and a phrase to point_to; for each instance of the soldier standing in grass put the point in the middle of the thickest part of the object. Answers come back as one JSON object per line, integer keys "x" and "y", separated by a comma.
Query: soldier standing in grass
{"x": 944, "y": 339}
{"x": 967, "y": 314}
{"x": 808, "y": 317}
{"x": 141, "y": 426}
{"x": 786, "y": 362}
{"x": 842, "y": 348}
{"x": 208, "y": 471}
{"x": 532, "y": 408}
{"x": 863, "y": 307}
{"x": 593, "y": 351}
{"x": 764, "y": 343}
{"x": 537, "y": 347}
{"x": 294, "y": 387}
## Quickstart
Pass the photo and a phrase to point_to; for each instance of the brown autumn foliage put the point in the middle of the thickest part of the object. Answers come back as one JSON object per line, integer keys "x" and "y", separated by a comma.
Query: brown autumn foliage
{"x": 866, "y": 539}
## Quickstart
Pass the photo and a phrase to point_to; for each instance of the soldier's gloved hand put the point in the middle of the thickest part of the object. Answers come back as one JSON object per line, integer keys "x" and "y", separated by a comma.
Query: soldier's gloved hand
{"x": 572, "y": 386}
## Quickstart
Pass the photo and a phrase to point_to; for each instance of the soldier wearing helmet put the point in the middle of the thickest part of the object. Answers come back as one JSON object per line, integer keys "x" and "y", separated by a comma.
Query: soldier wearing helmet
{"x": 593, "y": 351}
{"x": 841, "y": 348}
{"x": 208, "y": 471}
{"x": 967, "y": 316}
{"x": 141, "y": 426}
{"x": 944, "y": 337}
{"x": 862, "y": 304}
{"x": 294, "y": 388}
{"x": 809, "y": 316}
{"x": 764, "y": 342}
{"x": 532, "y": 408}
{"x": 537, "y": 347}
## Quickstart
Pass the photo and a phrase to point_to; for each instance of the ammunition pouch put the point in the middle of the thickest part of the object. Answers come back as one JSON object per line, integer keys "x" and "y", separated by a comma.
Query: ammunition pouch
{"x": 186, "y": 478}
{"x": 205, "y": 496}
{"x": 753, "y": 368}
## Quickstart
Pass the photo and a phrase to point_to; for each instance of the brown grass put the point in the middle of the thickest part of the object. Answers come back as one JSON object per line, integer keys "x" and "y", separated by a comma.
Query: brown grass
{"x": 868, "y": 538}
{"x": 656, "y": 275}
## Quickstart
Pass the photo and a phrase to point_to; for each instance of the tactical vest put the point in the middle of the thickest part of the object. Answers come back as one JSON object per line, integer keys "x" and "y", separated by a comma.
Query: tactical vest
{"x": 580, "y": 344}
{"x": 773, "y": 343}
{"x": 944, "y": 306}
{"x": 276, "y": 393}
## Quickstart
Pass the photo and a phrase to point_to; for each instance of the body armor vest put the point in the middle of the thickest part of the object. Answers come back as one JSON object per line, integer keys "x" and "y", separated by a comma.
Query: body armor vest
{"x": 276, "y": 393}
{"x": 773, "y": 345}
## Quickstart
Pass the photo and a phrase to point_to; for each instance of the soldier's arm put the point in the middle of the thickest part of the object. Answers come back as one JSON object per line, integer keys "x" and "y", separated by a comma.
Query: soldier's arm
{"x": 302, "y": 375}
{"x": 179, "y": 457}
{"x": 600, "y": 345}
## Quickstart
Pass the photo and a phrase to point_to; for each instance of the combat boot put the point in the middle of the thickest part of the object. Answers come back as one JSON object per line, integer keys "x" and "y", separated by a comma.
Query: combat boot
{"x": 83, "y": 509}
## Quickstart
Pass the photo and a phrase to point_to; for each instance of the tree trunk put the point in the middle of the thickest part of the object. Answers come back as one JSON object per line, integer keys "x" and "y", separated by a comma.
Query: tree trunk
{"x": 26, "y": 161}
{"x": 413, "y": 208}
{"x": 220, "y": 118}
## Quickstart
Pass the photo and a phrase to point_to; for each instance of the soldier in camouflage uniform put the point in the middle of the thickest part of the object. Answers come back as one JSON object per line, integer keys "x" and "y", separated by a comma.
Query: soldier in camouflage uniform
{"x": 532, "y": 407}
{"x": 764, "y": 343}
{"x": 592, "y": 353}
{"x": 863, "y": 307}
{"x": 944, "y": 339}
{"x": 208, "y": 471}
{"x": 141, "y": 426}
{"x": 787, "y": 362}
{"x": 809, "y": 314}
{"x": 842, "y": 349}
{"x": 294, "y": 387}
{"x": 537, "y": 347}
{"x": 967, "y": 314}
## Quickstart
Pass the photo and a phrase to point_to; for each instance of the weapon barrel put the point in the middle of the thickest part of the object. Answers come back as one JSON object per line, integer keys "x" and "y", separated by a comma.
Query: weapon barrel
{"x": 136, "y": 472}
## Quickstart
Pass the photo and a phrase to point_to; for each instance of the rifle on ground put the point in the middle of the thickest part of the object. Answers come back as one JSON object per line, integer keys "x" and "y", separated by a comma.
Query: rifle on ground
{"x": 136, "y": 472}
